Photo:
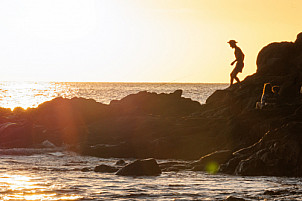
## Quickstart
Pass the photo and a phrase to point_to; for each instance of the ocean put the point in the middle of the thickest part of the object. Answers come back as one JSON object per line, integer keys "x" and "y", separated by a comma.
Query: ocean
{"x": 31, "y": 94}
{"x": 56, "y": 174}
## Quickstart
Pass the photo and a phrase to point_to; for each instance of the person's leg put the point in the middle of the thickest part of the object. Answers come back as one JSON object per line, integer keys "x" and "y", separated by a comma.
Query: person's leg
{"x": 233, "y": 76}
{"x": 237, "y": 69}
{"x": 237, "y": 79}
{"x": 232, "y": 79}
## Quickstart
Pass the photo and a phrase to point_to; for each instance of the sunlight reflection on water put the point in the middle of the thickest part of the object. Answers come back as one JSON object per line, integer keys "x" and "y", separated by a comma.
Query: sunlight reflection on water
{"x": 31, "y": 94}
{"x": 20, "y": 187}
{"x": 25, "y": 94}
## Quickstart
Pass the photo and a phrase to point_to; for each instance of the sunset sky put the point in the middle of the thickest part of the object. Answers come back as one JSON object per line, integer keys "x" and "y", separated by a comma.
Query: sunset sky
{"x": 138, "y": 40}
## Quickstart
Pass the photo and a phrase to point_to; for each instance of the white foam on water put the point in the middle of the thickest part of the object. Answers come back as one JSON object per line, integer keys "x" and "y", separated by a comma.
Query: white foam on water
{"x": 30, "y": 151}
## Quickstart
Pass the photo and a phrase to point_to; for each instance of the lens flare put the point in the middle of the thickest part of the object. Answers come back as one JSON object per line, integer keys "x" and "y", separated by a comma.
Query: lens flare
{"x": 212, "y": 167}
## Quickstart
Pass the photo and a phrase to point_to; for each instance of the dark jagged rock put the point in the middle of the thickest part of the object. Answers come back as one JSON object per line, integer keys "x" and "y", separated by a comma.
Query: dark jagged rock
{"x": 86, "y": 123}
{"x": 156, "y": 104}
{"x": 105, "y": 169}
{"x": 146, "y": 167}
{"x": 278, "y": 153}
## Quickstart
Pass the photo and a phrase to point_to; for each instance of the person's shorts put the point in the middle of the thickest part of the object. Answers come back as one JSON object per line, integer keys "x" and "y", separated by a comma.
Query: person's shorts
{"x": 238, "y": 69}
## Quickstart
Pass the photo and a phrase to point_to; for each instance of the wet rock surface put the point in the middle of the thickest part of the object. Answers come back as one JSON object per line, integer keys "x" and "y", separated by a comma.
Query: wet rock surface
{"x": 175, "y": 166}
{"x": 105, "y": 168}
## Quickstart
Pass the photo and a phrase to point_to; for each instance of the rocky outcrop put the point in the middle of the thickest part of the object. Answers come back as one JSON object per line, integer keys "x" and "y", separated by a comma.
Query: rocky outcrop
{"x": 150, "y": 125}
{"x": 146, "y": 167}
{"x": 130, "y": 127}
{"x": 155, "y": 104}
{"x": 278, "y": 153}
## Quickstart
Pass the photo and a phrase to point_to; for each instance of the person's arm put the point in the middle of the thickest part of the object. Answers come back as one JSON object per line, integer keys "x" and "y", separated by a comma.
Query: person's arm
{"x": 233, "y": 62}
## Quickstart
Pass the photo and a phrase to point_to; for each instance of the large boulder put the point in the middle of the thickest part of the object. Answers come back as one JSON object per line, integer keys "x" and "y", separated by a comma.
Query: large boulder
{"x": 146, "y": 167}
{"x": 274, "y": 59}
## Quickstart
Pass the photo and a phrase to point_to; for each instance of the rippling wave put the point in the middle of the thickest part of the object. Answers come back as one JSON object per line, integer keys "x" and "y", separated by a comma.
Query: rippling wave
{"x": 45, "y": 176}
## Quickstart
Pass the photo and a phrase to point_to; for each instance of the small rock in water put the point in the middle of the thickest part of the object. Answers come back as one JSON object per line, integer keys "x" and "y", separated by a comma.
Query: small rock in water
{"x": 85, "y": 169}
{"x": 146, "y": 167}
{"x": 105, "y": 168}
{"x": 231, "y": 198}
{"x": 121, "y": 163}
{"x": 277, "y": 192}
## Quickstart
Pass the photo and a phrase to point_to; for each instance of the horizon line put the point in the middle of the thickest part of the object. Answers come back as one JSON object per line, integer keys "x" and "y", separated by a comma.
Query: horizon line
{"x": 130, "y": 82}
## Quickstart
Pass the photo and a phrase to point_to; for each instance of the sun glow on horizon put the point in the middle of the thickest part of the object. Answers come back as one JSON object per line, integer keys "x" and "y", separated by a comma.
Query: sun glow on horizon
{"x": 26, "y": 94}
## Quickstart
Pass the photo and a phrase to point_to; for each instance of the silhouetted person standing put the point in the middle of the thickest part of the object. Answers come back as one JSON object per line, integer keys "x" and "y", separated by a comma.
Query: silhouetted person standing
{"x": 239, "y": 61}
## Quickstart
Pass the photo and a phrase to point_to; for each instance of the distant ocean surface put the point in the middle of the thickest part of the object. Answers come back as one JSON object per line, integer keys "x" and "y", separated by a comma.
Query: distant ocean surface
{"x": 55, "y": 173}
{"x": 31, "y": 94}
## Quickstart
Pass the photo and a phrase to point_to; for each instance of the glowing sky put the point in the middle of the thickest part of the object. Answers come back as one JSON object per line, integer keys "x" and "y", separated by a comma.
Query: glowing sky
{"x": 138, "y": 40}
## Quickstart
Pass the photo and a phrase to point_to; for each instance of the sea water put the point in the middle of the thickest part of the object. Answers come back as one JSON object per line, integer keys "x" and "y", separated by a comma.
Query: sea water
{"x": 31, "y": 94}
{"x": 56, "y": 174}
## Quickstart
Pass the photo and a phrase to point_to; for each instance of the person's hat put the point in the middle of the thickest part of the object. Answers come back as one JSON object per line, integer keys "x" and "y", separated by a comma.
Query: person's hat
{"x": 232, "y": 42}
